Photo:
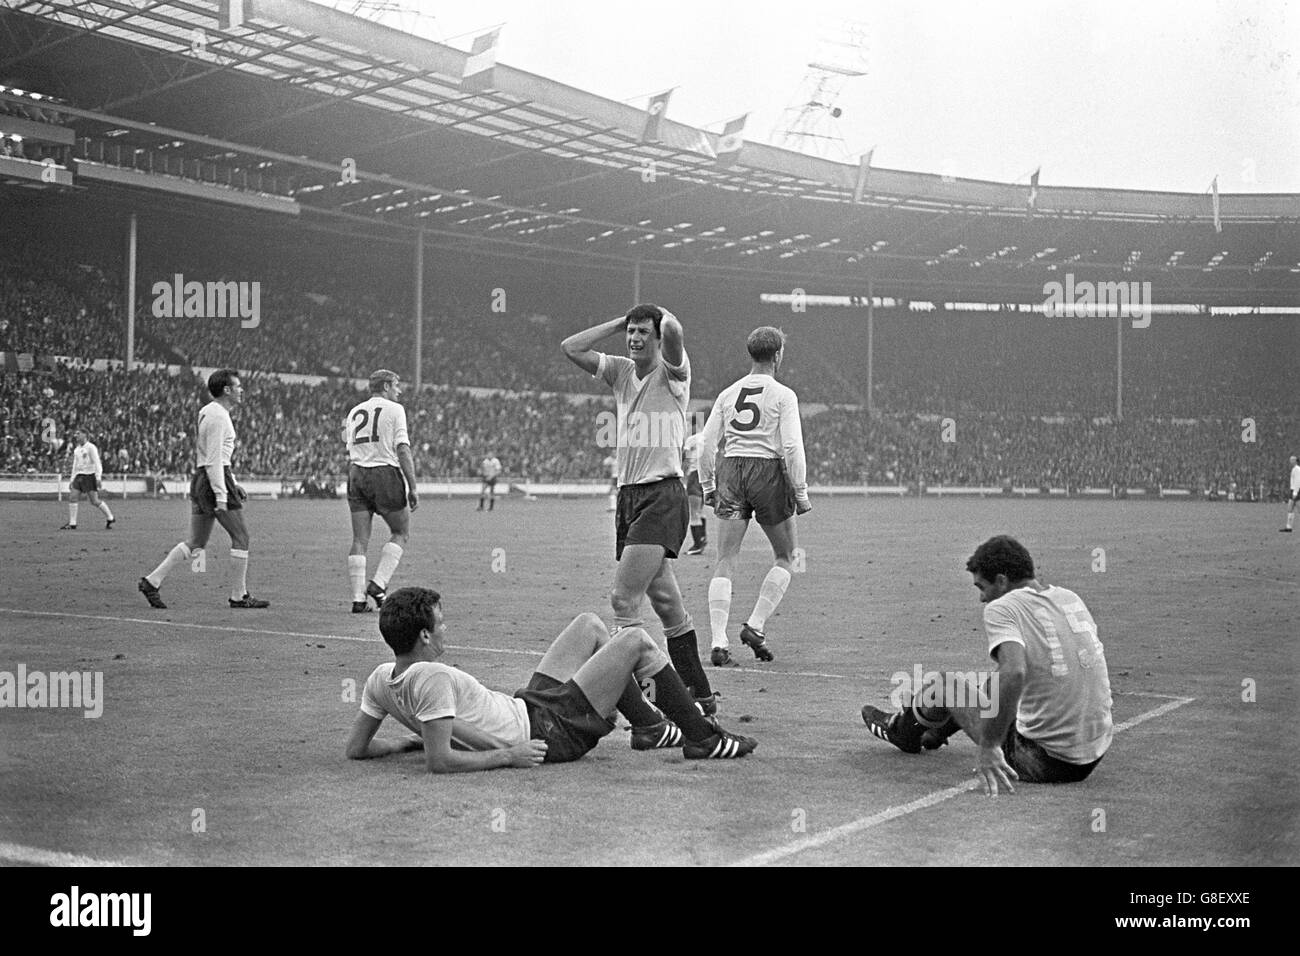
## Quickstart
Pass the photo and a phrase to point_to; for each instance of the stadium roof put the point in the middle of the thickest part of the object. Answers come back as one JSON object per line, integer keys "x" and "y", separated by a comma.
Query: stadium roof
{"x": 540, "y": 170}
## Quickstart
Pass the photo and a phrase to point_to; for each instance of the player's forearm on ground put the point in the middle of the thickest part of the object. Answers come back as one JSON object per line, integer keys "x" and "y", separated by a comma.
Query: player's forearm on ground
{"x": 466, "y": 761}
{"x": 407, "y": 461}
{"x": 383, "y": 748}
{"x": 1010, "y": 687}
{"x": 587, "y": 339}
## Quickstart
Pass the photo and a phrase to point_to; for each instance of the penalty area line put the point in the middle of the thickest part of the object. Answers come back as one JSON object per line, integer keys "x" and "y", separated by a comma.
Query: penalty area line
{"x": 35, "y": 856}
{"x": 929, "y": 800}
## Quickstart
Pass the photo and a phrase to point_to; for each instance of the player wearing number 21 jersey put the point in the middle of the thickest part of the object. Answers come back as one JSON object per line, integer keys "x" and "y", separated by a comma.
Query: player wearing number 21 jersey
{"x": 381, "y": 481}
{"x": 752, "y": 465}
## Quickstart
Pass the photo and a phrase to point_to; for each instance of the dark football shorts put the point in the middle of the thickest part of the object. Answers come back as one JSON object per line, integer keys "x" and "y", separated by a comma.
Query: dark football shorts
{"x": 693, "y": 487}
{"x": 654, "y": 513}
{"x": 380, "y": 490}
{"x": 84, "y": 484}
{"x": 749, "y": 487}
{"x": 1036, "y": 765}
{"x": 561, "y": 715}
{"x": 491, "y": 483}
{"x": 202, "y": 499}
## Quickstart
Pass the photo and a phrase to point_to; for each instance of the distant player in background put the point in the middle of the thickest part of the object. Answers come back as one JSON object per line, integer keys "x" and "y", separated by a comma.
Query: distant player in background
{"x": 1295, "y": 494}
{"x": 610, "y": 466}
{"x": 488, "y": 470}
{"x": 381, "y": 481}
{"x": 87, "y": 478}
{"x": 760, "y": 471}
{"x": 214, "y": 495}
{"x": 694, "y": 492}
{"x": 1045, "y": 716}
{"x": 652, "y": 389}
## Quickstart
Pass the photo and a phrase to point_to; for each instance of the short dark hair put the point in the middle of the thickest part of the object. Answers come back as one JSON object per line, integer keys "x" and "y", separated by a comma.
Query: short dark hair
{"x": 643, "y": 312}
{"x": 404, "y": 614}
{"x": 219, "y": 380}
{"x": 1001, "y": 554}
{"x": 764, "y": 342}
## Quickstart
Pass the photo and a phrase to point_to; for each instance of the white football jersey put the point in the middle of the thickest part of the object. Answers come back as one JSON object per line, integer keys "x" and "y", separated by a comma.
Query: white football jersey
{"x": 373, "y": 430}
{"x": 85, "y": 460}
{"x": 756, "y": 417}
{"x": 1295, "y": 479}
{"x": 1065, "y": 706}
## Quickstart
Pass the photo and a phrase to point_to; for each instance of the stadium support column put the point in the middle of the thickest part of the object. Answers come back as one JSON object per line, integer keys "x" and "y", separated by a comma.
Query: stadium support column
{"x": 130, "y": 292}
{"x": 871, "y": 334}
{"x": 1119, "y": 365}
{"x": 419, "y": 308}
{"x": 636, "y": 282}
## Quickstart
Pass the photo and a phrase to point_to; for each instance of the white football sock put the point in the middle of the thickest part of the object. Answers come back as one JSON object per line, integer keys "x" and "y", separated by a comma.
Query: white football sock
{"x": 239, "y": 586}
{"x": 103, "y": 506}
{"x": 769, "y": 596}
{"x": 357, "y": 575}
{"x": 174, "y": 557}
{"x": 1290, "y": 518}
{"x": 719, "y": 609}
{"x": 388, "y": 558}
{"x": 72, "y": 512}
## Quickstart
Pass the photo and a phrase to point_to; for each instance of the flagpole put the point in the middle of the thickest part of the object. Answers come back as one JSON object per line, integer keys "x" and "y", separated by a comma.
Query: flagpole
{"x": 871, "y": 330}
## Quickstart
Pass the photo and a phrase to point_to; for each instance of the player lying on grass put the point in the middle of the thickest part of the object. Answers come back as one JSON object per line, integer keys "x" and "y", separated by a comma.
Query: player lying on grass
{"x": 1044, "y": 716}
{"x": 566, "y": 708}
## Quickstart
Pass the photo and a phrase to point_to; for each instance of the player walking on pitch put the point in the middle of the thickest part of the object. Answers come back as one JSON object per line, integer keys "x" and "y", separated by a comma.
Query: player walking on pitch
{"x": 214, "y": 495}
{"x": 87, "y": 478}
{"x": 760, "y": 471}
{"x": 381, "y": 481}
{"x": 1295, "y": 494}
{"x": 488, "y": 470}
{"x": 652, "y": 389}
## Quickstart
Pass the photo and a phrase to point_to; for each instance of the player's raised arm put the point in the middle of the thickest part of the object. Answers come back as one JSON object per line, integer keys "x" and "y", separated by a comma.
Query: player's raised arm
{"x": 673, "y": 344}
{"x": 796, "y": 464}
{"x": 579, "y": 348}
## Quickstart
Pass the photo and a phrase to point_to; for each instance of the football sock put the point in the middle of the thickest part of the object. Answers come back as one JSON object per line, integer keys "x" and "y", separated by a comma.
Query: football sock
{"x": 633, "y": 705}
{"x": 674, "y": 699}
{"x": 1290, "y": 518}
{"x": 388, "y": 558}
{"x": 769, "y": 596}
{"x": 719, "y": 609}
{"x": 174, "y": 557}
{"x": 684, "y": 651}
{"x": 103, "y": 506}
{"x": 704, "y": 532}
{"x": 72, "y": 513}
{"x": 622, "y": 622}
{"x": 357, "y": 576}
{"x": 239, "y": 561}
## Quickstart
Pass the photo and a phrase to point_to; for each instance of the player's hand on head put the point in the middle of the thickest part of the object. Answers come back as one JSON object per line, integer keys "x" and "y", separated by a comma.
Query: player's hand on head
{"x": 994, "y": 771}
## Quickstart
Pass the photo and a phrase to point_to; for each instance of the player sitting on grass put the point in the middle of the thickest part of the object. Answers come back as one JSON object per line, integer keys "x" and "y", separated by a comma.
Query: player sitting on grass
{"x": 1048, "y": 715}
{"x": 566, "y": 708}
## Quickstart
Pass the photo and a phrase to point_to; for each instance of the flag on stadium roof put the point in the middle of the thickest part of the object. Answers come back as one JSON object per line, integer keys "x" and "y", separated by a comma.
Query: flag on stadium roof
{"x": 1032, "y": 207}
{"x": 864, "y": 170}
{"x": 654, "y": 116}
{"x": 1214, "y": 202}
{"x": 731, "y": 141}
{"x": 481, "y": 62}
{"x": 233, "y": 13}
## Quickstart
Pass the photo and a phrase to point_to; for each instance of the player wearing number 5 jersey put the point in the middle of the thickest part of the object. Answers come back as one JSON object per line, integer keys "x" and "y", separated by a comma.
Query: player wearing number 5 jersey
{"x": 752, "y": 465}
{"x": 1044, "y": 716}
{"x": 381, "y": 481}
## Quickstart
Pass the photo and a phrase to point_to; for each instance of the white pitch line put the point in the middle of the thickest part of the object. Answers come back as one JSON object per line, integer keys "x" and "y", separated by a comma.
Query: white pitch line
{"x": 929, "y": 800}
{"x": 15, "y": 853}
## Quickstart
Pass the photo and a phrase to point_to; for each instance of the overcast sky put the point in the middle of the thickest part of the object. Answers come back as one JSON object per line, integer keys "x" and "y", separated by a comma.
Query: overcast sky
{"x": 1143, "y": 95}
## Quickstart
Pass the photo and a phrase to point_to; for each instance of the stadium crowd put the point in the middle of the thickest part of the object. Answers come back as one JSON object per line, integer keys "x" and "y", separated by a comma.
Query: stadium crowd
{"x": 1033, "y": 415}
